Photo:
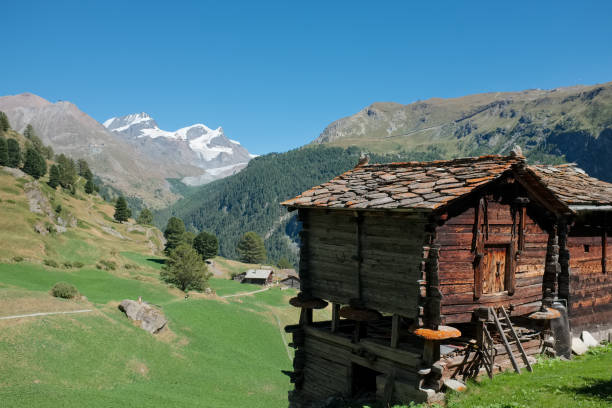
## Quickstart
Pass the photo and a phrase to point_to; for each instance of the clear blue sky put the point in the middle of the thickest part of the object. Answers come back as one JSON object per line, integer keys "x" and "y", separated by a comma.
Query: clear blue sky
{"x": 274, "y": 74}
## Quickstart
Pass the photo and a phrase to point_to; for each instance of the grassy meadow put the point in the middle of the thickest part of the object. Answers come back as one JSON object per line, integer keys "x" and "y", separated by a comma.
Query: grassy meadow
{"x": 216, "y": 352}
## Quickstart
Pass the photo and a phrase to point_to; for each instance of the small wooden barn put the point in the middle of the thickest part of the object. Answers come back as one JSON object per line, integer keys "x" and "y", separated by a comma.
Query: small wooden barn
{"x": 403, "y": 250}
{"x": 291, "y": 281}
{"x": 258, "y": 276}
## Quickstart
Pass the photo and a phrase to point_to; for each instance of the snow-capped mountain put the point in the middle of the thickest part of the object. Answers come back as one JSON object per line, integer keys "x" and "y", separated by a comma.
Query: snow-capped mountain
{"x": 196, "y": 145}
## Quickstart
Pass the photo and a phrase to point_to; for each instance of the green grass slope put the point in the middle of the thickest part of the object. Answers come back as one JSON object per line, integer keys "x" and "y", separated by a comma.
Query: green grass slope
{"x": 217, "y": 355}
{"x": 217, "y": 352}
{"x": 583, "y": 382}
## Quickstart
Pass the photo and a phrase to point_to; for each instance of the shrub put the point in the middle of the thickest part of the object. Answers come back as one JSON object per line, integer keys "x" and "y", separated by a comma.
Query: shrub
{"x": 50, "y": 227}
{"x": 78, "y": 264}
{"x": 50, "y": 262}
{"x": 64, "y": 290}
{"x": 106, "y": 265}
{"x": 18, "y": 258}
{"x": 131, "y": 266}
{"x": 67, "y": 264}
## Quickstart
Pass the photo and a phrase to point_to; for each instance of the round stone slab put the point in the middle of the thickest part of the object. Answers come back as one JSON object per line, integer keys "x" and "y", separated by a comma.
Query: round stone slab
{"x": 443, "y": 333}
{"x": 314, "y": 303}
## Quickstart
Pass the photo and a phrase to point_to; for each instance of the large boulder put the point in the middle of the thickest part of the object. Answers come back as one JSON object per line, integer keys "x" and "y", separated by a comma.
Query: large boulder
{"x": 150, "y": 319}
{"x": 578, "y": 346}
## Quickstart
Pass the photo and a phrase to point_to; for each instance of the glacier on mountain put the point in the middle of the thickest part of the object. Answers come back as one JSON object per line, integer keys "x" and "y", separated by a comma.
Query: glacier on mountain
{"x": 201, "y": 146}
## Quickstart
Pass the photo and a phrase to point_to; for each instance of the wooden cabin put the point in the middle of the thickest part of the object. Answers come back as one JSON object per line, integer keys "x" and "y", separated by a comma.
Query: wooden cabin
{"x": 403, "y": 247}
{"x": 291, "y": 281}
{"x": 259, "y": 276}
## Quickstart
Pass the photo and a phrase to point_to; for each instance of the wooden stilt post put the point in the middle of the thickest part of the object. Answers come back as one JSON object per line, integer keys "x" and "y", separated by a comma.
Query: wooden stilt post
{"x": 395, "y": 328}
{"x": 335, "y": 322}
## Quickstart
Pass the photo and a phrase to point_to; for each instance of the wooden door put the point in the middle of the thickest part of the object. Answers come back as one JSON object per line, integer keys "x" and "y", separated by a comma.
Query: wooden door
{"x": 494, "y": 269}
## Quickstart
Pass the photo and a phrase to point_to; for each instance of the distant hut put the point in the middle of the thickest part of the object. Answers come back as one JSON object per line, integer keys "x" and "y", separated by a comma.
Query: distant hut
{"x": 258, "y": 276}
{"x": 482, "y": 244}
{"x": 291, "y": 282}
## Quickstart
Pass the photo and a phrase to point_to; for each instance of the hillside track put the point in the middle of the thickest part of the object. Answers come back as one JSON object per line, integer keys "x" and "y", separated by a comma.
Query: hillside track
{"x": 44, "y": 314}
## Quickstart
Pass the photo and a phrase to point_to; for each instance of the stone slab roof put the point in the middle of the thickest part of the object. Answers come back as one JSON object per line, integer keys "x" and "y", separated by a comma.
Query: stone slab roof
{"x": 258, "y": 274}
{"x": 572, "y": 186}
{"x": 430, "y": 185}
{"x": 414, "y": 185}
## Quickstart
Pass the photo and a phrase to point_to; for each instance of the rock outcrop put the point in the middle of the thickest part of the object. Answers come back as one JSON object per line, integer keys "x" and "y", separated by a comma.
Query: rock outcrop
{"x": 149, "y": 318}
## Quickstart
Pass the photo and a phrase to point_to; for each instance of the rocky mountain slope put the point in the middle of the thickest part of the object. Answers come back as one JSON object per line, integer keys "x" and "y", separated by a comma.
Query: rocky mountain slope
{"x": 69, "y": 130}
{"x": 195, "y": 145}
{"x": 575, "y": 122}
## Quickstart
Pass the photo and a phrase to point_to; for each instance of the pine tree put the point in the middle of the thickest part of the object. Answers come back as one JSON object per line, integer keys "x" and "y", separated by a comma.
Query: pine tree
{"x": 3, "y": 152}
{"x": 29, "y": 131}
{"x": 35, "y": 164}
{"x": 188, "y": 238}
{"x": 89, "y": 187}
{"x": 67, "y": 171}
{"x": 4, "y": 122}
{"x": 206, "y": 244}
{"x": 284, "y": 263}
{"x": 122, "y": 212}
{"x": 251, "y": 248}
{"x": 185, "y": 269}
{"x": 48, "y": 152}
{"x": 145, "y": 217}
{"x": 30, "y": 134}
{"x": 14, "y": 153}
{"x": 54, "y": 176}
{"x": 174, "y": 234}
{"x": 84, "y": 170}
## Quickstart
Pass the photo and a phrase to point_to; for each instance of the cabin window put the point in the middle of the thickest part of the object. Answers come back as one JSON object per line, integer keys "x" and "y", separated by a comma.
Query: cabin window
{"x": 495, "y": 269}
{"x": 587, "y": 248}
{"x": 363, "y": 381}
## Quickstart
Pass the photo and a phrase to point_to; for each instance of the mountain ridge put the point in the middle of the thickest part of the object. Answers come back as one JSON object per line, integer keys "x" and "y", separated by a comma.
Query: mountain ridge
{"x": 480, "y": 123}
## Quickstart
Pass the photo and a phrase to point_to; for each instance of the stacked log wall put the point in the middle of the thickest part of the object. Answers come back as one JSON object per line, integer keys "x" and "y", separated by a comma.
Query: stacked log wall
{"x": 366, "y": 257}
{"x": 328, "y": 364}
{"x": 590, "y": 295}
{"x": 456, "y": 263}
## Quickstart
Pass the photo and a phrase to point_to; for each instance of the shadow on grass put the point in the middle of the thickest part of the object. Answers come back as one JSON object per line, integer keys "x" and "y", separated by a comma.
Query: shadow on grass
{"x": 601, "y": 389}
{"x": 157, "y": 260}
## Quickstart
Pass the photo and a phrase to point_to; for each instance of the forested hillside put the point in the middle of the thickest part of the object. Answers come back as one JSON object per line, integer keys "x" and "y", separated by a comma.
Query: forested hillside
{"x": 551, "y": 126}
{"x": 249, "y": 200}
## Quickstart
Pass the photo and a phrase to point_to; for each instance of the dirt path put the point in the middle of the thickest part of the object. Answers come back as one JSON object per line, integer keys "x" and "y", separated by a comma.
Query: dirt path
{"x": 44, "y": 314}
{"x": 246, "y": 293}
{"x": 282, "y": 334}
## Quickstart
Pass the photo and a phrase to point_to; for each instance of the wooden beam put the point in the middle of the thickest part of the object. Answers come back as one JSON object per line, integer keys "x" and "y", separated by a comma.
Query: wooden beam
{"x": 395, "y": 329}
{"x": 389, "y": 385}
{"x": 434, "y": 296}
{"x": 604, "y": 245}
{"x": 358, "y": 255}
{"x": 521, "y": 238}
{"x": 335, "y": 322}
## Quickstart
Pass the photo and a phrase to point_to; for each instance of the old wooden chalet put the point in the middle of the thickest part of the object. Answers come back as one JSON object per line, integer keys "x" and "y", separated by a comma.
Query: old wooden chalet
{"x": 258, "y": 276}
{"x": 417, "y": 257}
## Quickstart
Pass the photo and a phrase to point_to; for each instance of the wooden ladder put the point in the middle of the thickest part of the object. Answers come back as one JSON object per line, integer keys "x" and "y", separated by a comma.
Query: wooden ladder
{"x": 483, "y": 355}
{"x": 504, "y": 327}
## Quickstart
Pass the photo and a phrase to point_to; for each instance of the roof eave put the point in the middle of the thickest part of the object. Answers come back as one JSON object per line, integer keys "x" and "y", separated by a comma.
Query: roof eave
{"x": 578, "y": 208}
